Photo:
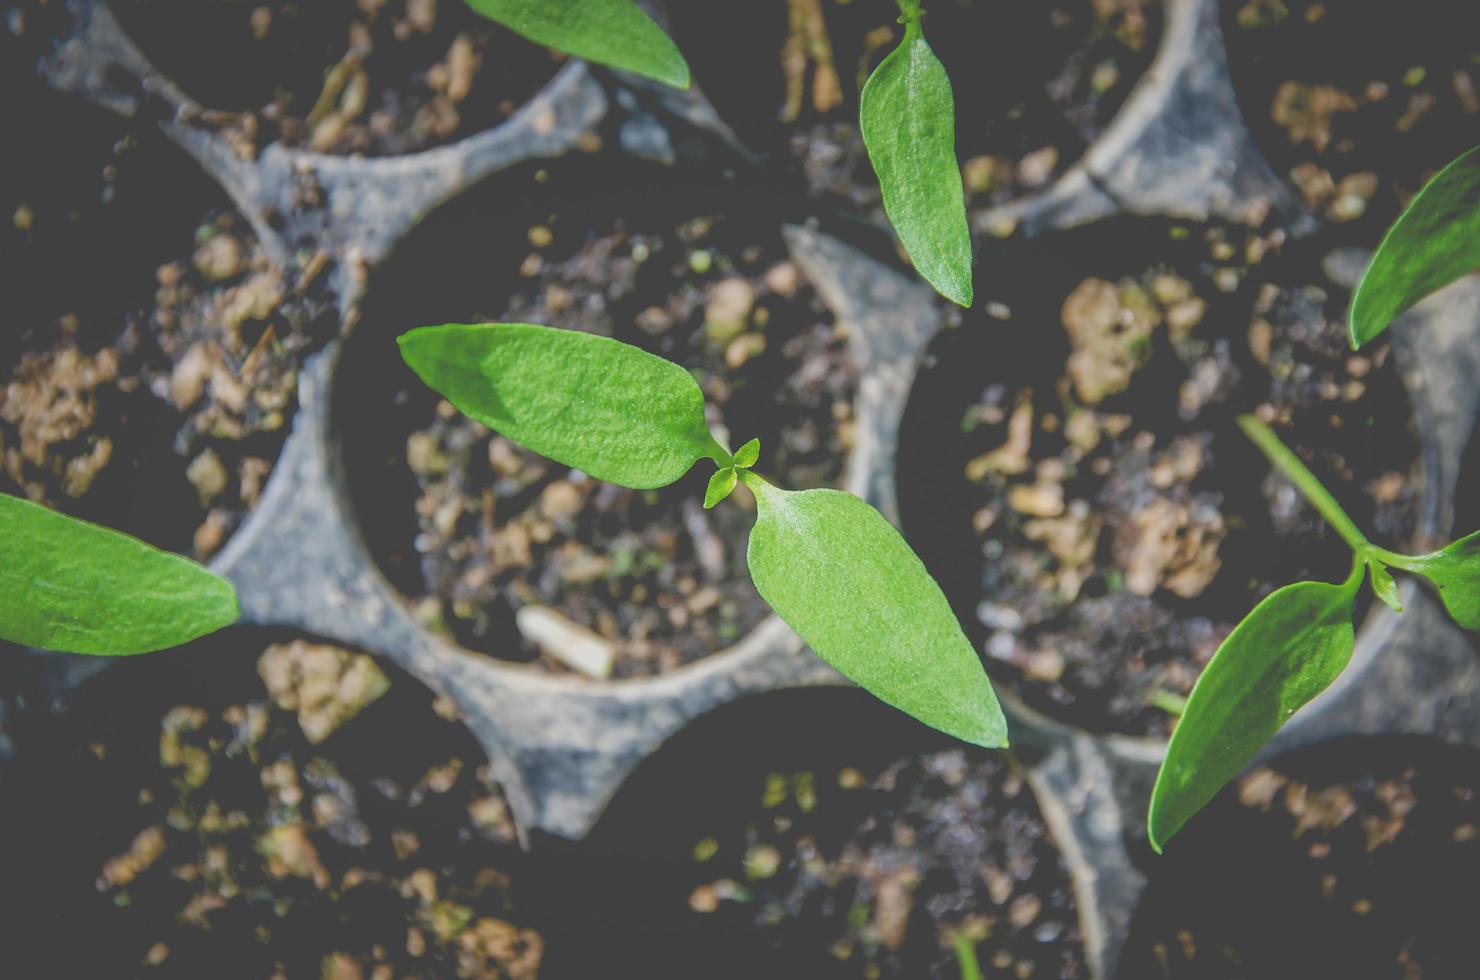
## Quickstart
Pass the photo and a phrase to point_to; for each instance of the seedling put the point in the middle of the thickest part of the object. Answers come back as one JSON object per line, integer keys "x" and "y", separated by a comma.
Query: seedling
{"x": 1288, "y": 650}
{"x": 829, "y": 564}
{"x": 908, "y": 119}
{"x": 907, "y": 116}
{"x": 75, "y": 587}
{"x": 1435, "y": 241}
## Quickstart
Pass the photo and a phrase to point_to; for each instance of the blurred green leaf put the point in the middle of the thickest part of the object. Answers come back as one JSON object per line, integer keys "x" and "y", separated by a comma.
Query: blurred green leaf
{"x": 850, "y": 586}
{"x": 1434, "y": 241}
{"x": 75, "y": 587}
{"x": 593, "y": 403}
{"x": 908, "y": 118}
{"x": 1285, "y": 652}
{"x": 611, "y": 32}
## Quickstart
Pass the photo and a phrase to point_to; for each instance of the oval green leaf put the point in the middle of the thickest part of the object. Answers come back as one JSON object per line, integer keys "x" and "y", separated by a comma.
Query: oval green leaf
{"x": 844, "y": 579}
{"x": 1434, "y": 241}
{"x": 1456, "y": 571}
{"x": 593, "y": 403}
{"x": 747, "y": 454}
{"x": 908, "y": 119}
{"x": 1285, "y": 652}
{"x": 611, "y": 32}
{"x": 720, "y": 485}
{"x": 75, "y": 587}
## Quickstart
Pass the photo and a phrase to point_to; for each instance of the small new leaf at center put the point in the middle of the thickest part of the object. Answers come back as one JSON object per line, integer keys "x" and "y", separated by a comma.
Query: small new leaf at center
{"x": 747, "y": 454}
{"x": 720, "y": 484}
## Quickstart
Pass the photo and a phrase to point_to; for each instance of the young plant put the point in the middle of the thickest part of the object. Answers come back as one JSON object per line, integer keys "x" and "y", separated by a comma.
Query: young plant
{"x": 906, "y": 113}
{"x": 829, "y": 564}
{"x": 1435, "y": 241}
{"x": 1288, "y": 650}
{"x": 74, "y": 587}
{"x": 610, "y": 32}
{"x": 908, "y": 119}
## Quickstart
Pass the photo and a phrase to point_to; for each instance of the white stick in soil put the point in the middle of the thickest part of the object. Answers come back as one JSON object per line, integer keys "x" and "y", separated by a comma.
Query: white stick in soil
{"x": 573, "y": 645}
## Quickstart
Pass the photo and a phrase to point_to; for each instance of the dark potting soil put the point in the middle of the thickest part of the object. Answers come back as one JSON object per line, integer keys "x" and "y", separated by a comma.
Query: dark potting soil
{"x": 1100, "y": 521}
{"x": 1358, "y": 103}
{"x": 150, "y": 376}
{"x": 341, "y": 76}
{"x": 261, "y": 808}
{"x": 900, "y": 872}
{"x": 165, "y": 422}
{"x": 1358, "y": 859}
{"x": 1034, "y": 82}
{"x": 658, "y": 578}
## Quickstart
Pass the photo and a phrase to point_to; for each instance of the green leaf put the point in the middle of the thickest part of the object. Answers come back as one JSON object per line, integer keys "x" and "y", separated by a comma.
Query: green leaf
{"x": 612, "y": 32}
{"x": 1285, "y": 652}
{"x": 747, "y": 454}
{"x": 605, "y": 407}
{"x": 845, "y": 580}
{"x": 75, "y": 587}
{"x": 1456, "y": 571}
{"x": 1434, "y": 241}
{"x": 1383, "y": 584}
{"x": 720, "y": 485}
{"x": 908, "y": 118}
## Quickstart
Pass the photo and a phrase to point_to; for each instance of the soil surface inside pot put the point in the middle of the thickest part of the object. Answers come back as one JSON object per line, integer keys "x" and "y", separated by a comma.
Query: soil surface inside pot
{"x": 1357, "y": 859}
{"x": 341, "y": 76}
{"x": 1034, "y": 82}
{"x": 267, "y": 807}
{"x": 151, "y": 375}
{"x": 1072, "y": 472}
{"x": 1358, "y": 103}
{"x": 494, "y": 529}
{"x": 821, "y": 834}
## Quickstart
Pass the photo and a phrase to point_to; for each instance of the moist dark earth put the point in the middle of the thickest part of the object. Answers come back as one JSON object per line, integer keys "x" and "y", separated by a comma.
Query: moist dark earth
{"x": 1356, "y": 103}
{"x": 341, "y": 76}
{"x": 150, "y": 375}
{"x": 268, "y": 807}
{"x": 1356, "y": 859}
{"x": 1107, "y": 523}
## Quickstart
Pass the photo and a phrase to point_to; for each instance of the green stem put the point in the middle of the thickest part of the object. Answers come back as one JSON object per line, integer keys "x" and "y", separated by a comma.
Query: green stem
{"x": 717, "y": 452}
{"x": 755, "y": 483}
{"x": 909, "y": 16}
{"x": 1305, "y": 481}
{"x": 1168, "y": 701}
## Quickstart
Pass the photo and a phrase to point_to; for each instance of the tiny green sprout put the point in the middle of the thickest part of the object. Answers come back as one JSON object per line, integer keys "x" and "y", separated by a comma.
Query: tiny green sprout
{"x": 611, "y": 32}
{"x": 74, "y": 587}
{"x": 830, "y": 565}
{"x": 726, "y": 477}
{"x": 907, "y": 115}
{"x": 1435, "y": 241}
{"x": 966, "y": 960}
{"x": 1288, "y": 650}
